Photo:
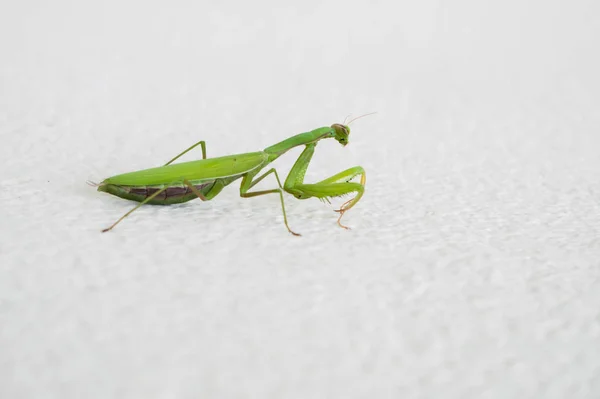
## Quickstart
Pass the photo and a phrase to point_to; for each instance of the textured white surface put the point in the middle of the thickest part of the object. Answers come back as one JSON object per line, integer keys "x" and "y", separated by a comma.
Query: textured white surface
{"x": 472, "y": 270}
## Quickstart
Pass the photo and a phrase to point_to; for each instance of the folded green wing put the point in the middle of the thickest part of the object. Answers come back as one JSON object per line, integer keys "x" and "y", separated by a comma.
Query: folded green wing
{"x": 204, "y": 169}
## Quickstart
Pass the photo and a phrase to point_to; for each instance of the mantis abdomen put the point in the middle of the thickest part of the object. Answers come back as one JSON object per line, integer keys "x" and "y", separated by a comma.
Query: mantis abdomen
{"x": 173, "y": 194}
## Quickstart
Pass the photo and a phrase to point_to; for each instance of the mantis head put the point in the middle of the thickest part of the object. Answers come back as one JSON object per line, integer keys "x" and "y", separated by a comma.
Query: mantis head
{"x": 341, "y": 133}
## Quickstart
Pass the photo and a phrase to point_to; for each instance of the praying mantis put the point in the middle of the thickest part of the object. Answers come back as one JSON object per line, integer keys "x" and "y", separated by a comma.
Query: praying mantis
{"x": 206, "y": 178}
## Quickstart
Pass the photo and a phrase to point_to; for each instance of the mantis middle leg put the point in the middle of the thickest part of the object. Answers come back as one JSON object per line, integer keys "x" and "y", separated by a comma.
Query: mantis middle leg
{"x": 248, "y": 183}
{"x": 335, "y": 186}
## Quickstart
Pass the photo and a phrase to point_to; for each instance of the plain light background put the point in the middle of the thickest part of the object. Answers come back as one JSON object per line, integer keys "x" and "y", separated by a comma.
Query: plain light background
{"x": 471, "y": 271}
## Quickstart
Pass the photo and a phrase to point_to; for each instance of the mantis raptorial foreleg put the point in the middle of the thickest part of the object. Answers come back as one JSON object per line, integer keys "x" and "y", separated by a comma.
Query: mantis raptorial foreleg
{"x": 201, "y": 143}
{"x": 248, "y": 183}
{"x": 334, "y": 186}
{"x": 341, "y": 183}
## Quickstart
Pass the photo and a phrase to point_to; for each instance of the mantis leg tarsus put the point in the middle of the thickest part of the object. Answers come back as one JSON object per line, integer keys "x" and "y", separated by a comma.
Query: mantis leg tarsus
{"x": 341, "y": 211}
{"x": 341, "y": 225}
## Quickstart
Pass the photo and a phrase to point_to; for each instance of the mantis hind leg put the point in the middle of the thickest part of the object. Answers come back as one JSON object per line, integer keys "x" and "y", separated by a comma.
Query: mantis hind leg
{"x": 216, "y": 189}
{"x": 136, "y": 207}
{"x": 200, "y": 143}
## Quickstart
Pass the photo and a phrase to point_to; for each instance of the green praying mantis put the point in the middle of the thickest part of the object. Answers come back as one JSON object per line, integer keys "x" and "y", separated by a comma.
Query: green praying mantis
{"x": 205, "y": 178}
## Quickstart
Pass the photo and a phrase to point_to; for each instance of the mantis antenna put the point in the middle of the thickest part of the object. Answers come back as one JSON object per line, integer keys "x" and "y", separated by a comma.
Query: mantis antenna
{"x": 358, "y": 117}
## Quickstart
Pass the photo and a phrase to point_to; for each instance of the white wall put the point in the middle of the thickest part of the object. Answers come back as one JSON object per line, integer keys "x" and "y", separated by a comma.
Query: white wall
{"x": 472, "y": 267}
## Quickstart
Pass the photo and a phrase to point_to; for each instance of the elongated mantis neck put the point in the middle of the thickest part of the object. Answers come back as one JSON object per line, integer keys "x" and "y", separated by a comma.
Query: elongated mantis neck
{"x": 276, "y": 150}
